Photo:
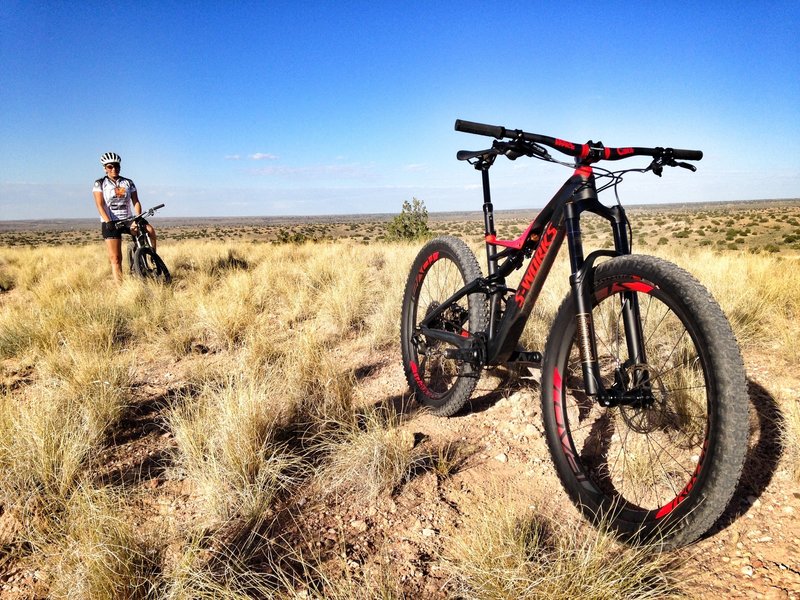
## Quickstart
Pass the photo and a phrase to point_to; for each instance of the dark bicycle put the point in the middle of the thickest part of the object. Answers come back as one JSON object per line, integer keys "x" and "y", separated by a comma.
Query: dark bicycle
{"x": 142, "y": 257}
{"x": 643, "y": 390}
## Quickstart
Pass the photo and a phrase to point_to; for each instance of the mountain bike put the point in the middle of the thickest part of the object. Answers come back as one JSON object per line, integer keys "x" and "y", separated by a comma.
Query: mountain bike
{"x": 142, "y": 257}
{"x": 643, "y": 390}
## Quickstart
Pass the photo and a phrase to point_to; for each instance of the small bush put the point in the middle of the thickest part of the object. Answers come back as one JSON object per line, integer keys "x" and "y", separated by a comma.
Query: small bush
{"x": 411, "y": 223}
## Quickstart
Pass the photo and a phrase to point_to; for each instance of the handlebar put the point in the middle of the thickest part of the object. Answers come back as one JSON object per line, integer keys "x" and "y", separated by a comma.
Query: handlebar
{"x": 149, "y": 213}
{"x": 587, "y": 153}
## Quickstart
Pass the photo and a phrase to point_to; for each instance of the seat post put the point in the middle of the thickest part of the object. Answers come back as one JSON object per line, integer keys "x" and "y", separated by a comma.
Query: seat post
{"x": 488, "y": 220}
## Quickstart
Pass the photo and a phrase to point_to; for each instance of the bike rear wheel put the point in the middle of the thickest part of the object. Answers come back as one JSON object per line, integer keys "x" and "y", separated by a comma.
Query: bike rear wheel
{"x": 148, "y": 265}
{"x": 442, "y": 268}
{"x": 666, "y": 469}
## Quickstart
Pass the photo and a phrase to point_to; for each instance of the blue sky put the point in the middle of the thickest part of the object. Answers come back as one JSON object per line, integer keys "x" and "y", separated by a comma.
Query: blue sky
{"x": 297, "y": 108}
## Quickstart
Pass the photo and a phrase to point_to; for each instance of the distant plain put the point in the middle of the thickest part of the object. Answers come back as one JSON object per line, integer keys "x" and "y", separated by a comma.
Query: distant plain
{"x": 771, "y": 226}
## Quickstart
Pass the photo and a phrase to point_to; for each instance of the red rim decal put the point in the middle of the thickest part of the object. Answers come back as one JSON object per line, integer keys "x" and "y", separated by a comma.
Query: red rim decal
{"x": 628, "y": 286}
{"x": 418, "y": 380}
{"x": 424, "y": 269}
{"x": 561, "y": 427}
{"x": 669, "y": 507}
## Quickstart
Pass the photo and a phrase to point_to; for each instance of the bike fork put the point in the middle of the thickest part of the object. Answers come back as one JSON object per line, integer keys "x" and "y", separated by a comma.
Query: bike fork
{"x": 581, "y": 282}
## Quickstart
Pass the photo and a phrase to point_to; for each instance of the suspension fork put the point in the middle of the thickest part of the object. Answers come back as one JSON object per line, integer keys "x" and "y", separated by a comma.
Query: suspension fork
{"x": 631, "y": 314}
{"x": 581, "y": 282}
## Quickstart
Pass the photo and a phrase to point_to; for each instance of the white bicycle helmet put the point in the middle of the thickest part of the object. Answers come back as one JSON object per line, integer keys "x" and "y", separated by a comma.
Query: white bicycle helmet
{"x": 110, "y": 157}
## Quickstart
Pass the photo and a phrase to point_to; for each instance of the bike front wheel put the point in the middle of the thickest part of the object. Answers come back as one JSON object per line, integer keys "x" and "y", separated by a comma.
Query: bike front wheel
{"x": 442, "y": 268}
{"x": 661, "y": 469}
{"x": 148, "y": 265}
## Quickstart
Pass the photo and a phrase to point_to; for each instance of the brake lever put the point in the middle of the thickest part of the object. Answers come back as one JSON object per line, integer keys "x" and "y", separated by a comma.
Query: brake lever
{"x": 658, "y": 164}
{"x": 684, "y": 165}
{"x": 540, "y": 151}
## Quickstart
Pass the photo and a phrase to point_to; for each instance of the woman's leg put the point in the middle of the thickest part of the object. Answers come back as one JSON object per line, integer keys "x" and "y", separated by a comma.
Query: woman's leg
{"x": 114, "y": 247}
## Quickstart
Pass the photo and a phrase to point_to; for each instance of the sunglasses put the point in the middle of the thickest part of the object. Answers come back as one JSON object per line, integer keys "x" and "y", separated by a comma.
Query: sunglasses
{"x": 113, "y": 166}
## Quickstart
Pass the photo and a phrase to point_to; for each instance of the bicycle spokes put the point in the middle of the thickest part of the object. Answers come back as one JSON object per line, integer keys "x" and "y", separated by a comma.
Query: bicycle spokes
{"x": 648, "y": 447}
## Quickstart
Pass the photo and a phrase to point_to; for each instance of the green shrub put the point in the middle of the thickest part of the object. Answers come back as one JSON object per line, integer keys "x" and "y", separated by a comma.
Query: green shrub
{"x": 411, "y": 223}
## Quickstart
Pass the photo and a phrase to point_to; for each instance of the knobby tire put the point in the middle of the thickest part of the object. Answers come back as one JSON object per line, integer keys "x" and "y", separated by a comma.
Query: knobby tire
{"x": 442, "y": 267}
{"x": 148, "y": 265}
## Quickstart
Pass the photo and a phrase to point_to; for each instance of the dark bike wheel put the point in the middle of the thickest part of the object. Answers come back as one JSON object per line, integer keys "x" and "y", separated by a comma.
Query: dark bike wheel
{"x": 131, "y": 252}
{"x": 442, "y": 267}
{"x": 148, "y": 265}
{"x": 663, "y": 471}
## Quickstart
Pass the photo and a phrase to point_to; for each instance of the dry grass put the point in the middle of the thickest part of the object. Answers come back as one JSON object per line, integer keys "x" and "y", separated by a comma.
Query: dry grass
{"x": 100, "y": 554}
{"x": 369, "y": 457}
{"x": 271, "y": 406}
{"x": 532, "y": 556}
{"x": 227, "y": 447}
{"x": 790, "y": 434}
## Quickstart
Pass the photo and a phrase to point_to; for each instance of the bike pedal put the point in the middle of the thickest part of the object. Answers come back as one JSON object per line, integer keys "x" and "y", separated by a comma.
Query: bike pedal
{"x": 523, "y": 357}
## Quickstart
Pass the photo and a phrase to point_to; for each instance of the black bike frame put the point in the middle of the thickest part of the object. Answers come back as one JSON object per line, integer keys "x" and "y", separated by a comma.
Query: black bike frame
{"x": 541, "y": 242}
{"x": 140, "y": 239}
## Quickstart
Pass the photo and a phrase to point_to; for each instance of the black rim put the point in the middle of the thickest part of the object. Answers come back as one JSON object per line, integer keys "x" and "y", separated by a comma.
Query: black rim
{"x": 434, "y": 373}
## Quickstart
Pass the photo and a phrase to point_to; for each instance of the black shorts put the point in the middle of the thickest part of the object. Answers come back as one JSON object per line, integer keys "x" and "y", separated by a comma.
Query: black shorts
{"x": 110, "y": 232}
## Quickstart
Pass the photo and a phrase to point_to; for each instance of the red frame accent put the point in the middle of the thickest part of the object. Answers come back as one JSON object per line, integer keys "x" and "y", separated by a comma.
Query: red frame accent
{"x": 516, "y": 244}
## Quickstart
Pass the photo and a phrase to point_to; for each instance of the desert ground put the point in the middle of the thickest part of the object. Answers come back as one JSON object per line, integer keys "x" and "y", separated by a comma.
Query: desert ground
{"x": 247, "y": 431}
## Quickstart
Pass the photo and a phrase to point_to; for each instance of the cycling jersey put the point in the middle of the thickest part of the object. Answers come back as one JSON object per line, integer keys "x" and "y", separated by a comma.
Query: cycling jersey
{"x": 116, "y": 196}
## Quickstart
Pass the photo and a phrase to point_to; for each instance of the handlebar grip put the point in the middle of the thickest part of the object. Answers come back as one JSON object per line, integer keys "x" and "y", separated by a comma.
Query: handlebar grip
{"x": 494, "y": 131}
{"x": 157, "y": 207}
{"x": 687, "y": 154}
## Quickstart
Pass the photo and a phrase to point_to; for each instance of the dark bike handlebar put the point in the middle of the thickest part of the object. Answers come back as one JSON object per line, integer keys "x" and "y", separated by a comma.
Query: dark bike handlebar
{"x": 145, "y": 213}
{"x": 587, "y": 153}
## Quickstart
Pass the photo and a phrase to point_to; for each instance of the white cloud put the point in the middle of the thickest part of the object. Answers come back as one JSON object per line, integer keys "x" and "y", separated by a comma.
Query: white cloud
{"x": 263, "y": 156}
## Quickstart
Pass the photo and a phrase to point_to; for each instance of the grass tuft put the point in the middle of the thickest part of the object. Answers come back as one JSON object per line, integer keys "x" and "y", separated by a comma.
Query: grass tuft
{"x": 227, "y": 446}
{"x": 101, "y": 555}
{"x": 370, "y": 457}
{"x": 507, "y": 555}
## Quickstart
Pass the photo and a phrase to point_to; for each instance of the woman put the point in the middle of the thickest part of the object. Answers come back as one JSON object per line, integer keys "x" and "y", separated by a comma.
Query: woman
{"x": 116, "y": 199}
